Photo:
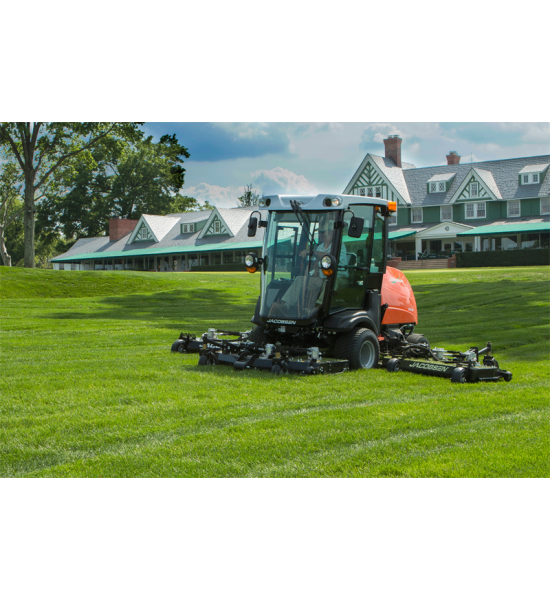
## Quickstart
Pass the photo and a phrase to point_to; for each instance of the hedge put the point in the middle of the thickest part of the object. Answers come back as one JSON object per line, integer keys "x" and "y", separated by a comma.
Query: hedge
{"x": 504, "y": 258}
{"x": 221, "y": 268}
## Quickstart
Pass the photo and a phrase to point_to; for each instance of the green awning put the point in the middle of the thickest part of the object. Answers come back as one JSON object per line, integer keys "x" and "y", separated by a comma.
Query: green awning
{"x": 395, "y": 235}
{"x": 507, "y": 228}
{"x": 162, "y": 251}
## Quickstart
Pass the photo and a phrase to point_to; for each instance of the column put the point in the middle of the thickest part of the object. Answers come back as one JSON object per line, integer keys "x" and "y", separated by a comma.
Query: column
{"x": 418, "y": 243}
{"x": 477, "y": 243}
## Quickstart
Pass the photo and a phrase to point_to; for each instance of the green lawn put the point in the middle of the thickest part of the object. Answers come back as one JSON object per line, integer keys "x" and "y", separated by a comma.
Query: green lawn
{"x": 90, "y": 388}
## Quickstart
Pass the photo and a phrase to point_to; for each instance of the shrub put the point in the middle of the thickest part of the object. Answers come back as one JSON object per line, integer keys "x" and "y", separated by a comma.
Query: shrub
{"x": 233, "y": 267}
{"x": 504, "y": 258}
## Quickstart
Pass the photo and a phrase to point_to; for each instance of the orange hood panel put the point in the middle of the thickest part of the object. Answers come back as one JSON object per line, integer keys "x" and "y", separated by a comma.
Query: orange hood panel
{"x": 398, "y": 294}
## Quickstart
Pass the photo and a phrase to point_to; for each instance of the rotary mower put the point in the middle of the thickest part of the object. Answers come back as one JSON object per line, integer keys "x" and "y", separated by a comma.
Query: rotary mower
{"x": 328, "y": 301}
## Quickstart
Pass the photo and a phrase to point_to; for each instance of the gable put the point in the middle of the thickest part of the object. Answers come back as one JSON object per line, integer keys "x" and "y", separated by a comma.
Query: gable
{"x": 373, "y": 180}
{"x": 142, "y": 232}
{"x": 215, "y": 225}
{"x": 477, "y": 185}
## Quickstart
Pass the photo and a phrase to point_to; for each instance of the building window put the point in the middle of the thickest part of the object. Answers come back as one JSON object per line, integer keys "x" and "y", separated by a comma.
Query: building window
{"x": 378, "y": 192}
{"x": 535, "y": 177}
{"x": 370, "y": 192}
{"x": 362, "y": 192}
{"x": 514, "y": 208}
{"x": 392, "y": 219}
{"x": 526, "y": 179}
{"x": 474, "y": 191}
{"x": 447, "y": 213}
{"x": 188, "y": 228}
{"x": 441, "y": 186}
{"x": 217, "y": 226}
{"x": 433, "y": 188}
{"x": 475, "y": 210}
{"x": 416, "y": 215}
{"x": 544, "y": 206}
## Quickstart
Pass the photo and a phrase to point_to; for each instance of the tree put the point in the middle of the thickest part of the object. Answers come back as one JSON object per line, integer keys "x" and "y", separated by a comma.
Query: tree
{"x": 140, "y": 177}
{"x": 44, "y": 149}
{"x": 250, "y": 196}
{"x": 11, "y": 206}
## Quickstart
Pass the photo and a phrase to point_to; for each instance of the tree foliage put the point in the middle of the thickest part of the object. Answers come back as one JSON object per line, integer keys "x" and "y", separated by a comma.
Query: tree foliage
{"x": 11, "y": 208}
{"x": 143, "y": 177}
{"x": 42, "y": 150}
{"x": 250, "y": 197}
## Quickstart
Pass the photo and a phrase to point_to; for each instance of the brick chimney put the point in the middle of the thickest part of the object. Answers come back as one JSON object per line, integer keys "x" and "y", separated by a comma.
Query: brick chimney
{"x": 118, "y": 228}
{"x": 393, "y": 148}
{"x": 453, "y": 158}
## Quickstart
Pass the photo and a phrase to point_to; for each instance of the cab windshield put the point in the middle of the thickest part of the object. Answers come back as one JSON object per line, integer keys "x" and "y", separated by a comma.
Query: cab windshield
{"x": 293, "y": 284}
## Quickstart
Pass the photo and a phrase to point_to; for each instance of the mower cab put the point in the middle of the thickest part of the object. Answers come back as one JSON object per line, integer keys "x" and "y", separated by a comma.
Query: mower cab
{"x": 325, "y": 291}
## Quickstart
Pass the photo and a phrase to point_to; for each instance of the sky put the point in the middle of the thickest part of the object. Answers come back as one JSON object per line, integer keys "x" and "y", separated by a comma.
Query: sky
{"x": 310, "y": 158}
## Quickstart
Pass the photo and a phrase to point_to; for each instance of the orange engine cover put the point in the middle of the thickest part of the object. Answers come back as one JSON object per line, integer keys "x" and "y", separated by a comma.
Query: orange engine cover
{"x": 397, "y": 293}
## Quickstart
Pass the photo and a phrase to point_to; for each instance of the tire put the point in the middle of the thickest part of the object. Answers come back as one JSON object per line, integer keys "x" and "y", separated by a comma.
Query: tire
{"x": 203, "y": 360}
{"x": 176, "y": 346}
{"x": 393, "y": 365}
{"x": 359, "y": 347}
{"x": 418, "y": 338}
{"x": 276, "y": 370}
{"x": 507, "y": 376}
{"x": 459, "y": 375}
{"x": 258, "y": 336}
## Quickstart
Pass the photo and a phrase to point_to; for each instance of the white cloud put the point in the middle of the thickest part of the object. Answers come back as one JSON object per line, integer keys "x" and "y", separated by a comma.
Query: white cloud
{"x": 223, "y": 197}
{"x": 281, "y": 181}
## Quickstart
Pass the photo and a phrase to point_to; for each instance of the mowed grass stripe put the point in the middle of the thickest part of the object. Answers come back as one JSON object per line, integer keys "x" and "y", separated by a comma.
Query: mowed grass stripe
{"x": 90, "y": 388}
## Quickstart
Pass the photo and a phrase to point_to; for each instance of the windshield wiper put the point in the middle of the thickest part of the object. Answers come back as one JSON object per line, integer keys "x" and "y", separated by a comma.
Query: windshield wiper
{"x": 302, "y": 218}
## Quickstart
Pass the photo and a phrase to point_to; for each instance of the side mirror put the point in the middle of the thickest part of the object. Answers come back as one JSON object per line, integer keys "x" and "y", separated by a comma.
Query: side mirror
{"x": 356, "y": 227}
{"x": 252, "y": 226}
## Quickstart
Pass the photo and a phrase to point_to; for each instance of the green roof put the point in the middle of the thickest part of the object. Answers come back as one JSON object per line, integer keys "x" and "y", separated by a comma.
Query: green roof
{"x": 161, "y": 251}
{"x": 395, "y": 235}
{"x": 508, "y": 228}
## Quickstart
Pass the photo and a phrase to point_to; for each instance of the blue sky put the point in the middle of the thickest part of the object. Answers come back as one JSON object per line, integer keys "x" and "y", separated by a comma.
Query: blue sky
{"x": 322, "y": 157}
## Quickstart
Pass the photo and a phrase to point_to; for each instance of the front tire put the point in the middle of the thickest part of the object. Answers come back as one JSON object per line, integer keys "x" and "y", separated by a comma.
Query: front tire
{"x": 359, "y": 347}
{"x": 258, "y": 336}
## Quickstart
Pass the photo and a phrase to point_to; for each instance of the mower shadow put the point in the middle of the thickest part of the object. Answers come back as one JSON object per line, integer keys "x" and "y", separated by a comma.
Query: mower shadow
{"x": 170, "y": 309}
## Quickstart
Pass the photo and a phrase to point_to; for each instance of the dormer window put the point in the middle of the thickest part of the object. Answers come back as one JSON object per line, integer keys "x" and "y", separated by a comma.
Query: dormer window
{"x": 369, "y": 192}
{"x": 362, "y": 192}
{"x": 532, "y": 174}
{"x": 378, "y": 192}
{"x": 217, "y": 226}
{"x": 474, "y": 190}
{"x": 188, "y": 228}
{"x": 440, "y": 183}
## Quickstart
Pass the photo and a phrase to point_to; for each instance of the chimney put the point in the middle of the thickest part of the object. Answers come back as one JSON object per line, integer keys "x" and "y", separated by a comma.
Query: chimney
{"x": 393, "y": 148}
{"x": 453, "y": 158}
{"x": 118, "y": 228}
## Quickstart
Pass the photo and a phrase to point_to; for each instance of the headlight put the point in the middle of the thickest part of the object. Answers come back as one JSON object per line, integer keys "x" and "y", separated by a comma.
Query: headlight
{"x": 326, "y": 262}
{"x": 336, "y": 202}
{"x": 261, "y": 202}
{"x": 249, "y": 260}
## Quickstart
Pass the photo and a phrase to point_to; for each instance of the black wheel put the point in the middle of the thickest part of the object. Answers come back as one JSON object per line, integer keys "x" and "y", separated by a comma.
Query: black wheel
{"x": 459, "y": 375}
{"x": 258, "y": 336}
{"x": 176, "y": 346}
{"x": 393, "y": 365}
{"x": 203, "y": 360}
{"x": 507, "y": 376}
{"x": 276, "y": 370}
{"x": 417, "y": 338}
{"x": 359, "y": 346}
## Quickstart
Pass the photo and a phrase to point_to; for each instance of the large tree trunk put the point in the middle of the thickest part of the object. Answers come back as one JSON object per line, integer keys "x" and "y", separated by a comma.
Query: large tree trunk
{"x": 6, "y": 258}
{"x": 28, "y": 219}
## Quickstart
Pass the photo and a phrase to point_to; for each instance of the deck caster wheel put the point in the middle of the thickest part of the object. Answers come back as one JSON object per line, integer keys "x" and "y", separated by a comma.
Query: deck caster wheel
{"x": 203, "y": 360}
{"x": 276, "y": 370}
{"x": 177, "y": 346}
{"x": 393, "y": 365}
{"x": 181, "y": 348}
{"x": 507, "y": 376}
{"x": 459, "y": 375}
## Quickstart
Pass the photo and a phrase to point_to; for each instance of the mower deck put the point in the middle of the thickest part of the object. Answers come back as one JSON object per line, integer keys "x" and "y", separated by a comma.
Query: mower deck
{"x": 398, "y": 355}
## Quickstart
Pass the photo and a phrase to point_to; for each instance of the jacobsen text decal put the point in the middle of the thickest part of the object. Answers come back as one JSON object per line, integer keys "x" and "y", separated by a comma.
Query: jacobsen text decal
{"x": 428, "y": 366}
{"x": 281, "y": 322}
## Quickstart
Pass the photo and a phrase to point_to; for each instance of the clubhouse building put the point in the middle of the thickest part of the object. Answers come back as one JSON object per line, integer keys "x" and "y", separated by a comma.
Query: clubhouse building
{"x": 441, "y": 210}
